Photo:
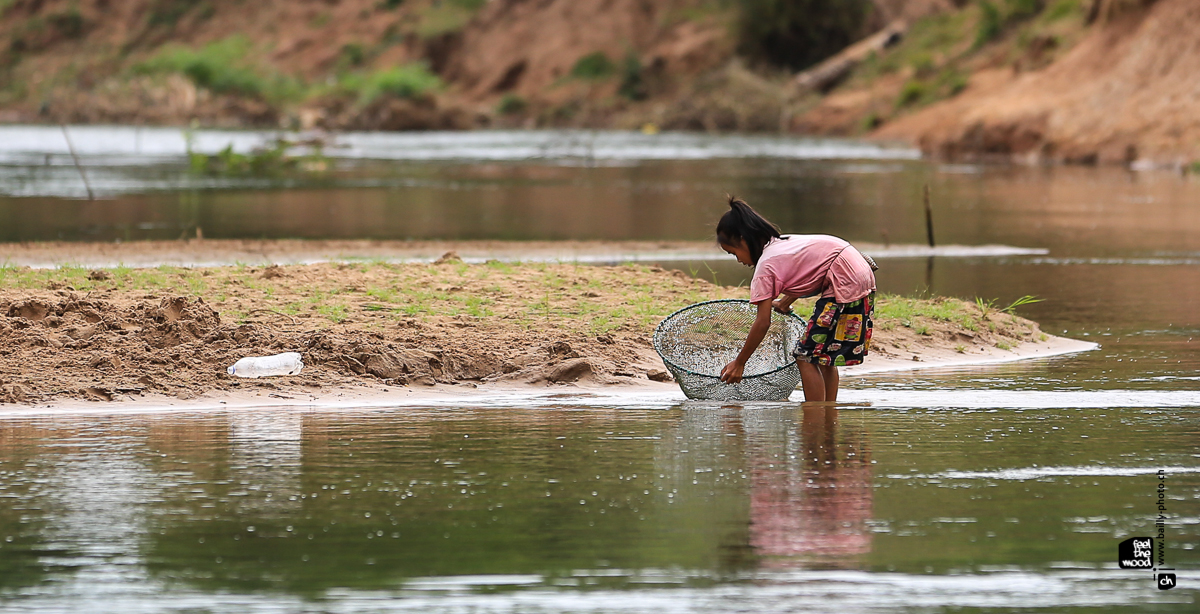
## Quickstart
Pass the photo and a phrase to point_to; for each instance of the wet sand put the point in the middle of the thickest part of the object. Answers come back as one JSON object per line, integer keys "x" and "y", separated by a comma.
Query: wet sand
{"x": 644, "y": 393}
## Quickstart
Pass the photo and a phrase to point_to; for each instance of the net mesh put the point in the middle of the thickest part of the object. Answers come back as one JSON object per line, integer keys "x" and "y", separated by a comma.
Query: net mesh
{"x": 697, "y": 341}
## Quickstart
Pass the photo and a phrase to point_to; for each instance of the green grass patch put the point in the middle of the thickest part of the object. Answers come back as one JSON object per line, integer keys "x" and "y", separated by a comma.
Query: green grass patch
{"x": 273, "y": 160}
{"x": 512, "y": 104}
{"x": 942, "y": 84}
{"x": 224, "y": 67}
{"x": 593, "y": 66}
{"x": 446, "y": 17}
{"x": 990, "y": 24}
{"x": 891, "y": 309}
{"x": 409, "y": 81}
{"x": 336, "y": 313}
{"x": 1062, "y": 9}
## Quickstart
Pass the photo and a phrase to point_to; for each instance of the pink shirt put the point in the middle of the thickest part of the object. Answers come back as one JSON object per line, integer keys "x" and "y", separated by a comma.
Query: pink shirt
{"x": 808, "y": 265}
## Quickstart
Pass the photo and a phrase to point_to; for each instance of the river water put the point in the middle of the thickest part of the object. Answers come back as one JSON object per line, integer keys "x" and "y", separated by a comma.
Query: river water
{"x": 997, "y": 489}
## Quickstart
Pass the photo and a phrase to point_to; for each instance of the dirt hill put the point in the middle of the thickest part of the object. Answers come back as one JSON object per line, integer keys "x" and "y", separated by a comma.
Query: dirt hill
{"x": 1127, "y": 92}
{"x": 1088, "y": 81}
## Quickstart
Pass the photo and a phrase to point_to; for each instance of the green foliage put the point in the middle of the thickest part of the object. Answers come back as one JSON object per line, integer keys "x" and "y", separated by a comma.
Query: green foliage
{"x": 1062, "y": 9}
{"x": 593, "y": 66}
{"x": 353, "y": 54}
{"x": 447, "y": 16}
{"x": 633, "y": 85}
{"x": 37, "y": 33}
{"x": 985, "y": 307}
{"x": 511, "y": 104}
{"x": 1024, "y": 300}
{"x": 270, "y": 161}
{"x": 388, "y": 5}
{"x": 222, "y": 67}
{"x": 169, "y": 12}
{"x": 993, "y": 18}
{"x": 1195, "y": 167}
{"x": 796, "y": 34}
{"x": 408, "y": 81}
{"x": 923, "y": 65}
{"x": 69, "y": 23}
{"x": 990, "y": 23}
{"x": 1023, "y": 9}
{"x": 911, "y": 93}
{"x": 945, "y": 84}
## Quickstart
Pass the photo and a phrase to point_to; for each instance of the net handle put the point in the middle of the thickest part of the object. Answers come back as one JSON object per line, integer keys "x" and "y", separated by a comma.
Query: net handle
{"x": 667, "y": 361}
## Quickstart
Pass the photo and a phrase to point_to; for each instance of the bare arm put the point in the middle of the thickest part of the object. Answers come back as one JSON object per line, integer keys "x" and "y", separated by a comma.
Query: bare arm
{"x": 732, "y": 373}
{"x": 784, "y": 304}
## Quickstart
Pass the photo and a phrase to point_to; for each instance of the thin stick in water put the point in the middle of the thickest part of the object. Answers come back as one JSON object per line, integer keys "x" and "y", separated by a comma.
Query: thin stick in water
{"x": 928, "y": 217}
{"x": 71, "y": 148}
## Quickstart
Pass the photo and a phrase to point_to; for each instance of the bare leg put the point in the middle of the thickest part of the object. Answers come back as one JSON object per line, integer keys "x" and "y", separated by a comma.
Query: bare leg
{"x": 812, "y": 379}
{"x": 830, "y": 375}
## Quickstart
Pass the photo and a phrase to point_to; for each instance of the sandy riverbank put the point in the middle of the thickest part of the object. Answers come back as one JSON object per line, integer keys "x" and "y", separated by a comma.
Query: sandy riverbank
{"x": 374, "y": 332}
{"x": 364, "y": 394}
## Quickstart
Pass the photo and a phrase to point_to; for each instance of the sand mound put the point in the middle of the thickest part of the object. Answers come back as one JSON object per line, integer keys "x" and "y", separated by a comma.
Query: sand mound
{"x": 68, "y": 333}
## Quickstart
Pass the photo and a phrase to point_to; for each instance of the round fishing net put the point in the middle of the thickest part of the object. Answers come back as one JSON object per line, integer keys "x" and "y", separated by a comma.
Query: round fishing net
{"x": 697, "y": 341}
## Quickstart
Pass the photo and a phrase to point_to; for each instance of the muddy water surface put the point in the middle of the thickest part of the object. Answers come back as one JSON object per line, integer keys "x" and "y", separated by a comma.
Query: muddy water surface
{"x": 989, "y": 490}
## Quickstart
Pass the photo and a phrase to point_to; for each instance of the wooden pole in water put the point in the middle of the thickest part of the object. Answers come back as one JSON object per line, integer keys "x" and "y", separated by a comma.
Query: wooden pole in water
{"x": 928, "y": 217}
{"x": 71, "y": 148}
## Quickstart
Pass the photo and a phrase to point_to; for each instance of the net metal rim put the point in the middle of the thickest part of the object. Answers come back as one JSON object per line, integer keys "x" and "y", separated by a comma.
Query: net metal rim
{"x": 658, "y": 329}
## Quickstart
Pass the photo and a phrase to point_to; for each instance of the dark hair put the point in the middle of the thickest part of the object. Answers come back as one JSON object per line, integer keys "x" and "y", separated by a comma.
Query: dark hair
{"x": 742, "y": 223}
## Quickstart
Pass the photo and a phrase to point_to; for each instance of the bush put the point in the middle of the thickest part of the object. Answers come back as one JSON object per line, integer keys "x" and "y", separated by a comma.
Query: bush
{"x": 593, "y": 66}
{"x": 408, "y": 81}
{"x": 1023, "y": 9}
{"x": 990, "y": 24}
{"x": 1063, "y": 9}
{"x": 221, "y": 67}
{"x": 914, "y": 91}
{"x": 353, "y": 54}
{"x": 633, "y": 86}
{"x": 796, "y": 34}
{"x": 511, "y": 104}
{"x": 69, "y": 23}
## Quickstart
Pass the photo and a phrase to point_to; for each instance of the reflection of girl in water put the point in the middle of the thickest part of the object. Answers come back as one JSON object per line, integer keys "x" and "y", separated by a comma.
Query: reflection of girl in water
{"x": 813, "y": 508}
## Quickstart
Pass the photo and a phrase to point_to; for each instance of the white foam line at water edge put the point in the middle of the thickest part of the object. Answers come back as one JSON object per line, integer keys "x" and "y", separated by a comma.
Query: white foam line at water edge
{"x": 1033, "y": 473}
{"x": 1061, "y": 347}
{"x": 100, "y": 144}
{"x": 1024, "y": 399}
{"x": 897, "y": 251}
{"x": 852, "y": 400}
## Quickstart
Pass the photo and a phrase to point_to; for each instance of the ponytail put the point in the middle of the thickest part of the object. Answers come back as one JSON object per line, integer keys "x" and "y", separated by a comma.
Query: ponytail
{"x": 743, "y": 224}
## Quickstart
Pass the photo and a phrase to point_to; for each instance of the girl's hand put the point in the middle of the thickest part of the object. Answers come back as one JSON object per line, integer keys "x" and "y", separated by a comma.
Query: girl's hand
{"x": 784, "y": 304}
{"x": 732, "y": 373}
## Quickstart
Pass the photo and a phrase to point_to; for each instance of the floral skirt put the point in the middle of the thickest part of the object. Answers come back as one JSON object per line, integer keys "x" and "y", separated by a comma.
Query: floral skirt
{"x": 838, "y": 334}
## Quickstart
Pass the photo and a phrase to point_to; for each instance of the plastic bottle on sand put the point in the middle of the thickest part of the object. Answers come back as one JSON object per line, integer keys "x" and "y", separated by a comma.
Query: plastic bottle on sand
{"x": 288, "y": 363}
